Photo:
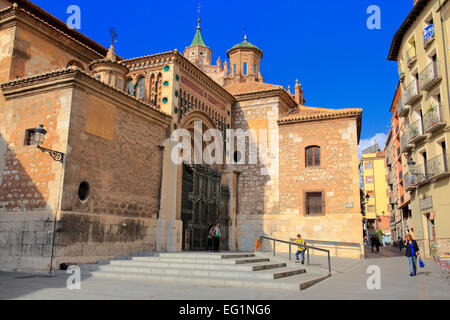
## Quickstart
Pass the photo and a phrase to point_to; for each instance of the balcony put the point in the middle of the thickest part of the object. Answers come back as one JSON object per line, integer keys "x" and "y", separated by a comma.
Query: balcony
{"x": 430, "y": 76}
{"x": 428, "y": 35}
{"x": 391, "y": 198}
{"x": 415, "y": 132}
{"x": 438, "y": 167}
{"x": 412, "y": 93}
{"x": 416, "y": 177}
{"x": 421, "y": 173}
{"x": 409, "y": 181}
{"x": 402, "y": 109}
{"x": 433, "y": 119}
{"x": 411, "y": 55}
{"x": 405, "y": 145}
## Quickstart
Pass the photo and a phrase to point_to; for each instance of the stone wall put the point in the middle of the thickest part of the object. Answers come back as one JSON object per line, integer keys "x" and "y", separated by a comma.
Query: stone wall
{"x": 271, "y": 195}
{"x": 30, "y": 180}
{"x": 117, "y": 152}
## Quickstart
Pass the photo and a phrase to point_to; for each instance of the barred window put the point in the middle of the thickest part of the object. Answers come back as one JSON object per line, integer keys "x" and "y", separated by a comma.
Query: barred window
{"x": 312, "y": 156}
{"x": 314, "y": 203}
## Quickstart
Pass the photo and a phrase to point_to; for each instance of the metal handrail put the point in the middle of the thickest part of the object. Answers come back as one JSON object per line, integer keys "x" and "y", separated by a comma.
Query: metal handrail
{"x": 296, "y": 244}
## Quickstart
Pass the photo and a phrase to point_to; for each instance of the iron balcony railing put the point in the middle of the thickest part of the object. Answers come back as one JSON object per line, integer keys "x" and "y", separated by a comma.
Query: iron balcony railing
{"x": 438, "y": 167}
{"x": 402, "y": 109}
{"x": 415, "y": 131}
{"x": 411, "y": 55}
{"x": 433, "y": 119}
{"x": 404, "y": 142}
{"x": 412, "y": 93}
{"x": 409, "y": 181}
{"x": 417, "y": 176}
{"x": 429, "y": 76}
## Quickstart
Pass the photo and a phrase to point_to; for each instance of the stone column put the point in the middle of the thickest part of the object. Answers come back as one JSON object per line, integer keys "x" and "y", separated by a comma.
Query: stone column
{"x": 169, "y": 225}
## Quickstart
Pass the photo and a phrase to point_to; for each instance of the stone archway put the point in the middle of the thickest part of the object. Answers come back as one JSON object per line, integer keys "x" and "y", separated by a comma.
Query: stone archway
{"x": 204, "y": 200}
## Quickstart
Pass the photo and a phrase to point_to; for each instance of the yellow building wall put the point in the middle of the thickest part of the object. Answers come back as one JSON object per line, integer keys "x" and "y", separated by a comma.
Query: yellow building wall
{"x": 379, "y": 186}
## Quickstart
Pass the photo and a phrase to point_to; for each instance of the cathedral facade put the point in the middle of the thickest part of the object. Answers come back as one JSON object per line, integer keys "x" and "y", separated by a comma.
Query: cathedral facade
{"x": 115, "y": 190}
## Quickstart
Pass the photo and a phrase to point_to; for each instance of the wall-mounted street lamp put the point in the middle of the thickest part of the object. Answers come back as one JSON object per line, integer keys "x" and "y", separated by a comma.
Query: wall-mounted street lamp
{"x": 411, "y": 162}
{"x": 39, "y": 136}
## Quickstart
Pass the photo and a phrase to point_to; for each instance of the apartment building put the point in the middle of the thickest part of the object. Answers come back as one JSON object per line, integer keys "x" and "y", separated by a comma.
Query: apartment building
{"x": 420, "y": 49}
{"x": 375, "y": 188}
{"x": 397, "y": 166}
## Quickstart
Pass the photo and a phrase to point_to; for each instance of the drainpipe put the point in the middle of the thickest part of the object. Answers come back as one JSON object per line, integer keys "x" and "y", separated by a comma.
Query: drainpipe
{"x": 445, "y": 54}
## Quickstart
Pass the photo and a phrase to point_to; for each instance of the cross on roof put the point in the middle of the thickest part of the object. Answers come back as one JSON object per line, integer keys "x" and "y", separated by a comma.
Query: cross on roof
{"x": 114, "y": 35}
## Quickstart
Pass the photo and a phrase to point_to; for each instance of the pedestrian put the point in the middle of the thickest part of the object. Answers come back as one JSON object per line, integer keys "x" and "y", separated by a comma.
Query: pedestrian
{"x": 300, "y": 248}
{"x": 210, "y": 237}
{"x": 375, "y": 241}
{"x": 412, "y": 252}
{"x": 217, "y": 234}
{"x": 400, "y": 243}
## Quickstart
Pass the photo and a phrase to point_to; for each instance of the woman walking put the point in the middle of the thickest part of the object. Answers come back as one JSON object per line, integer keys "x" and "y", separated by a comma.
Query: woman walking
{"x": 412, "y": 252}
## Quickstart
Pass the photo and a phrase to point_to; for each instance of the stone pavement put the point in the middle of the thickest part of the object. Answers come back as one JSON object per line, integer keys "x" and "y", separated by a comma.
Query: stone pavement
{"x": 348, "y": 282}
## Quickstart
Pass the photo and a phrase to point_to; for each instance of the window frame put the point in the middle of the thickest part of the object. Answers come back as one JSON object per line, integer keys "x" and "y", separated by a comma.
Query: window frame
{"x": 306, "y": 206}
{"x": 314, "y": 159}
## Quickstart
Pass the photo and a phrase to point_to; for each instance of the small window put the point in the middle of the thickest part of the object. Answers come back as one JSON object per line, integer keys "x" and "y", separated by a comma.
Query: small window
{"x": 234, "y": 69}
{"x": 312, "y": 156}
{"x": 314, "y": 203}
{"x": 255, "y": 69}
{"x": 371, "y": 194}
{"x": 371, "y": 208}
{"x": 130, "y": 87}
{"x": 369, "y": 180}
{"x": 29, "y": 137}
{"x": 244, "y": 68}
{"x": 141, "y": 88}
{"x": 368, "y": 165}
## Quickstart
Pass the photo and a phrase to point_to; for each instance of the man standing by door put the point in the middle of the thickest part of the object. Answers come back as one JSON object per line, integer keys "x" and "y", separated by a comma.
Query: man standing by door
{"x": 217, "y": 235}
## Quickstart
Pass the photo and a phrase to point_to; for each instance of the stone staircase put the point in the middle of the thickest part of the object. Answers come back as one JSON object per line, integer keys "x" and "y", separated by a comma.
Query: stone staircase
{"x": 207, "y": 269}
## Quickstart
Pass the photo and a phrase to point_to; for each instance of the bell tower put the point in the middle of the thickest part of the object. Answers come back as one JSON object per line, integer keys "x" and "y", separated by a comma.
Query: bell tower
{"x": 198, "y": 52}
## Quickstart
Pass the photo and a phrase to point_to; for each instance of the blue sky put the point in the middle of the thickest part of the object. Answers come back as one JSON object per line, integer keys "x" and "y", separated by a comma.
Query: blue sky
{"x": 324, "y": 43}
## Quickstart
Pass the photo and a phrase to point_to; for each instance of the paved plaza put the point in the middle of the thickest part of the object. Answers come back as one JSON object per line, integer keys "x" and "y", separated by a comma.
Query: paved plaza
{"x": 349, "y": 281}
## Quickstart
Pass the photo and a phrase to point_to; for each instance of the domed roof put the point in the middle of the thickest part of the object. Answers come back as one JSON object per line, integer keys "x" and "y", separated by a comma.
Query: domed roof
{"x": 245, "y": 44}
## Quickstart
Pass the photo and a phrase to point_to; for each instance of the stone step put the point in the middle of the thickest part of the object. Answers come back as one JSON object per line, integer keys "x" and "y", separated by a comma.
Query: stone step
{"x": 205, "y": 266}
{"x": 296, "y": 282}
{"x": 202, "y": 260}
{"x": 209, "y": 255}
{"x": 196, "y": 272}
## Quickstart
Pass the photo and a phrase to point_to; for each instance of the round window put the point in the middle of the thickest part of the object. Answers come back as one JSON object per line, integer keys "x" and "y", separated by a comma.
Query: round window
{"x": 165, "y": 83}
{"x": 166, "y": 68}
{"x": 164, "y": 100}
{"x": 83, "y": 191}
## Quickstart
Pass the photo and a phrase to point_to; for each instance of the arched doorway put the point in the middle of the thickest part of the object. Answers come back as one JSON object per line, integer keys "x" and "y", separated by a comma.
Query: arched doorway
{"x": 205, "y": 200}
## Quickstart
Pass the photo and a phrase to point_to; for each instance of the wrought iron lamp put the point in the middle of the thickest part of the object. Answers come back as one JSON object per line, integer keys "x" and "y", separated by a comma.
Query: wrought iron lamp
{"x": 39, "y": 136}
